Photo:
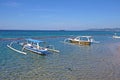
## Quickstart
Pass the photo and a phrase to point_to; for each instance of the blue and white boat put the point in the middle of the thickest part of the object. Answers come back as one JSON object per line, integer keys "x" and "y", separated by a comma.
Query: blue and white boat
{"x": 116, "y": 36}
{"x": 34, "y": 46}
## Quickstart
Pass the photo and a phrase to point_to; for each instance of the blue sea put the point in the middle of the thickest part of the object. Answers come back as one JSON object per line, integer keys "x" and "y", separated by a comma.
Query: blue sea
{"x": 100, "y": 61}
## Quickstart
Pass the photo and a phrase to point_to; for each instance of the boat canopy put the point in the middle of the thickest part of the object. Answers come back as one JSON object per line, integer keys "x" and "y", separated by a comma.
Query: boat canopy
{"x": 86, "y": 36}
{"x": 35, "y": 41}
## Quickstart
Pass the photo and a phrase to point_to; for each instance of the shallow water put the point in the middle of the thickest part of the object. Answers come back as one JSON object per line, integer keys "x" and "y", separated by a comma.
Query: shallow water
{"x": 96, "y": 62}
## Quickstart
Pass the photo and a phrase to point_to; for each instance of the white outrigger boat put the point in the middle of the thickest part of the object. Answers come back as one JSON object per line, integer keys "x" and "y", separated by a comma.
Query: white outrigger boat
{"x": 33, "y": 46}
{"x": 81, "y": 40}
{"x": 115, "y": 36}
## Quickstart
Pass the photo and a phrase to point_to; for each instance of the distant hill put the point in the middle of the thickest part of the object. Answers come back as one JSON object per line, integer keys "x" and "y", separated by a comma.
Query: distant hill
{"x": 105, "y": 29}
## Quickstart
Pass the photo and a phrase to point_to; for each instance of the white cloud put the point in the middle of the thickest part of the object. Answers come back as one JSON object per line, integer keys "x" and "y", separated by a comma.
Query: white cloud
{"x": 10, "y": 4}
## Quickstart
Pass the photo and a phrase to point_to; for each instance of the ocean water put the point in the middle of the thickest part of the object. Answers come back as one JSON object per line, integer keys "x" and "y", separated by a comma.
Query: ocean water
{"x": 96, "y": 62}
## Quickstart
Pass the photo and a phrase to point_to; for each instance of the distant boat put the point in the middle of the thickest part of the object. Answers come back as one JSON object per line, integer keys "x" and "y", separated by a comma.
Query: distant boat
{"x": 116, "y": 36}
{"x": 81, "y": 40}
{"x": 33, "y": 46}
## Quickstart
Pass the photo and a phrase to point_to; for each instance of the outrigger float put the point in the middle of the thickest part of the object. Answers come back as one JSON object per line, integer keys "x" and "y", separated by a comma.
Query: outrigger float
{"x": 81, "y": 40}
{"x": 33, "y": 46}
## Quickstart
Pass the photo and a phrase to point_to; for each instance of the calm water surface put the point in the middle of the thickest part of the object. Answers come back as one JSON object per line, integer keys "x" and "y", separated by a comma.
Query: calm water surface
{"x": 96, "y": 62}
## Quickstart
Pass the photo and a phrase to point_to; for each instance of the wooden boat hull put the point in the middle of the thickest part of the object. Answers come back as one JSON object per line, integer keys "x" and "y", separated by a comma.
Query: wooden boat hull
{"x": 80, "y": 42}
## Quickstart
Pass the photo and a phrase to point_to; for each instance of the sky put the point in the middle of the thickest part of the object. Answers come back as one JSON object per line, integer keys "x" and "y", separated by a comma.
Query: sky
{"x": 59, "y": 14}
